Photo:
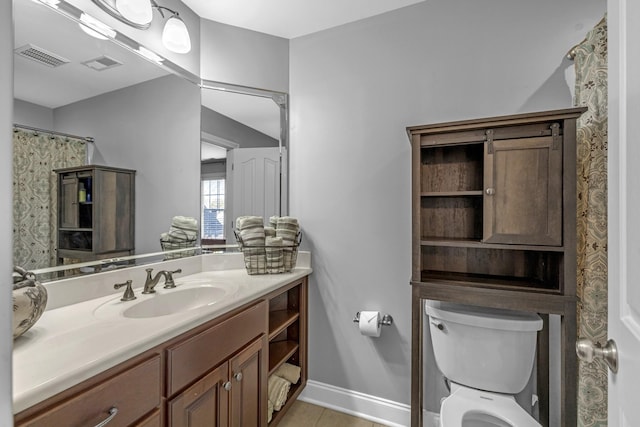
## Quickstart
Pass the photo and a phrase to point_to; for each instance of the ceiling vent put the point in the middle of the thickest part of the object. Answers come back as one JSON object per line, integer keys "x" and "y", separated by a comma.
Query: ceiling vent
{"x": 41, "y": 56}
{"x": 102, "y": 63}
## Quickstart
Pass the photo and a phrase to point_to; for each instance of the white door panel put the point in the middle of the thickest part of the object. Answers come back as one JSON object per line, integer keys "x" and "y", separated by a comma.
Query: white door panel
{"x": 624, "y": 206}
{"x": 253, "y": 185}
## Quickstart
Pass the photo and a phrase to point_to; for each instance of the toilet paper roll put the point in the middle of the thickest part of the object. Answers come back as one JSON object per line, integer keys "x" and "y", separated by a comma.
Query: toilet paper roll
{"x": 370, "y": 323}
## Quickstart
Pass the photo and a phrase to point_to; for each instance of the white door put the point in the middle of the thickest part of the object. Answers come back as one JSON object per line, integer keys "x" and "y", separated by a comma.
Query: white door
{"x": 253, "y": 185}
{"x": 624, "y": 209}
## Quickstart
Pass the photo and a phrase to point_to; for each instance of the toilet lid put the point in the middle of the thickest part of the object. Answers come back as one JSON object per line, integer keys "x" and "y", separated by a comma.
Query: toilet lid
{"x": 467, "y": 403}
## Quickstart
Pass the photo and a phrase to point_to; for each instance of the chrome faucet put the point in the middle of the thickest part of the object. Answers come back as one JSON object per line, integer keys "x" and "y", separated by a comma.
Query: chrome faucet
{"x": 151, "y": 282}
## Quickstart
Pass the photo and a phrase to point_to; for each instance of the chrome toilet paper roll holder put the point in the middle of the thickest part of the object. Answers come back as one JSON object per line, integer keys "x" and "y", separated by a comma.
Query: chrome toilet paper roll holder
{"x": 385, "y": 319}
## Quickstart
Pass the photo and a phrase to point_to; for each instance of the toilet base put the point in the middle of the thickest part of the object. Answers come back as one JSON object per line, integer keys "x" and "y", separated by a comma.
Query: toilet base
{"x": 470, "y": 407}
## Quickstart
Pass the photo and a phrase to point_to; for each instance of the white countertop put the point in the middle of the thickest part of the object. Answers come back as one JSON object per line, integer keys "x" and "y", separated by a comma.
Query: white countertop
{"x": 70, "y": 344}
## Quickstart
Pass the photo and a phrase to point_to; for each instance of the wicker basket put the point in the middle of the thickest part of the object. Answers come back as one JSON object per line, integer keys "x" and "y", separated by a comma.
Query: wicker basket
{"x": 171, "y": 243}
{"x": 263, "y": 259}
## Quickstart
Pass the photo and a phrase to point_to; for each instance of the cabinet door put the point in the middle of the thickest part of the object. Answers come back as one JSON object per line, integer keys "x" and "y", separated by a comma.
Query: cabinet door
{"x": 68, "y": 200}
{"x": 523, "y": 191}
{"x": 248, "y": 385}
{"x": 204, "y": 404}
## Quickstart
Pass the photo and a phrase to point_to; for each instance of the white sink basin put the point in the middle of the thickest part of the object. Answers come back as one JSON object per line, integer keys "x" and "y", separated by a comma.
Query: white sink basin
{"x": 177, "y": 301}
{"x": 166, "y": 302}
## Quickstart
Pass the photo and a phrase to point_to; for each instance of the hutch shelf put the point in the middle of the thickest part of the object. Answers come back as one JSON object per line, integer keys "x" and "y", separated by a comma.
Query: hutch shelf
{"x": 494, "y": 224}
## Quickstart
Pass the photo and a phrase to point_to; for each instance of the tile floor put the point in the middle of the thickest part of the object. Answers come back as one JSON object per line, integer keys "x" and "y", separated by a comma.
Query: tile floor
{"x": 302, "y": 414}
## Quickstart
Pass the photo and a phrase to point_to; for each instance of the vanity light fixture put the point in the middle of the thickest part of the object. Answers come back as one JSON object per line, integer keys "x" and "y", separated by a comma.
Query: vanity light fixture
{"x": 138, "y": 11}
{"x": 138, "y": 14}
{"x": 175, "y": 35}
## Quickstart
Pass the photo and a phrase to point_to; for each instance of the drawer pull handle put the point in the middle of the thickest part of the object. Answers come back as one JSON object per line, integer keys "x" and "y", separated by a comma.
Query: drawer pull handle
{"x": 238, "y": 376}
{"x": 112, "y": 413}
{"x": 227, "y": 385}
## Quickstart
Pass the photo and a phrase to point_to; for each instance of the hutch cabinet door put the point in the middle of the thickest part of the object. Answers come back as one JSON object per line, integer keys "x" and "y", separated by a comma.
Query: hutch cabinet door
{"x": 204, "y": 404}
{"x": 68, "y": 201}
{"x": 523, "y": 191}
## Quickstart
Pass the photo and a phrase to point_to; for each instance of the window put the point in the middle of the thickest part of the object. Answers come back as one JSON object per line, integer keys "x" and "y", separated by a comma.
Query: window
{"x": 213, "y": 208}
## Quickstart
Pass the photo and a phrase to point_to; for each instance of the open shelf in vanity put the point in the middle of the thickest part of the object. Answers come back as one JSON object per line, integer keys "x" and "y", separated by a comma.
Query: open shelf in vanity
{"x": 288, "y": 337}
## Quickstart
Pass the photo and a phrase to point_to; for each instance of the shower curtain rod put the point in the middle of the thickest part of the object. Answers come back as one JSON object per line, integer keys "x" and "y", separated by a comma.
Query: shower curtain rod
{"x": 51, "y": 132}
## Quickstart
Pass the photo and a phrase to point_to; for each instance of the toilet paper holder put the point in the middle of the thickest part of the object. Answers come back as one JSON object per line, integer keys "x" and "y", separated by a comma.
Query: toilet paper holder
{"x": 385, "y": 319}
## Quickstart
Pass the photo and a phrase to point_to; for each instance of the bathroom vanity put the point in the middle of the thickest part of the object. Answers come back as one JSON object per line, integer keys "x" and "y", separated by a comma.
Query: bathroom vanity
{"x": 206, "y": 365}
{"x": 494, "y": 225}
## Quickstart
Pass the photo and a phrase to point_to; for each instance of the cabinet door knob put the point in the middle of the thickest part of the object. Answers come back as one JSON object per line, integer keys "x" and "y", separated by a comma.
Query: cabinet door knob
{"x": 227, "y": 385}
{"x": 238, "y": 376}
{"x": 490, "y": 191}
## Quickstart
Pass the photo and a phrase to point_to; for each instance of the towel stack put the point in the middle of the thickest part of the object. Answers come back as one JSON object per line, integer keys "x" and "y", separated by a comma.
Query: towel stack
{"x": 268, "y": 249}
{"x": 287, "y": 228}
{"x": 251, "y": 231}
{"x": 183, "y": 233}
{"x": 279, "y": 385}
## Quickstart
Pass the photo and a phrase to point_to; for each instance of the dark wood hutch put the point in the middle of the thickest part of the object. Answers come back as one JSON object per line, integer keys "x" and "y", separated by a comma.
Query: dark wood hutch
{"x": 494, "y": 224}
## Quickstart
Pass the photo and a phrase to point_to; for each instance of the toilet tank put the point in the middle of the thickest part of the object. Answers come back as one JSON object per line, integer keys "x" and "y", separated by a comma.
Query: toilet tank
{"x": 483, "y": 348}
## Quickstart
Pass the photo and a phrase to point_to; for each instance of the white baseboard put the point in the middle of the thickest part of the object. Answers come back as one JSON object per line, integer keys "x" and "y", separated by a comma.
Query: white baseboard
{"x": 372, "y": 408}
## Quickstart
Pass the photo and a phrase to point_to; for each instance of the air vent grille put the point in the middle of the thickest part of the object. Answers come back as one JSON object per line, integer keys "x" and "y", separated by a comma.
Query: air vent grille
{"x": 41, "y": 56}
{"x": 102, "y": 63}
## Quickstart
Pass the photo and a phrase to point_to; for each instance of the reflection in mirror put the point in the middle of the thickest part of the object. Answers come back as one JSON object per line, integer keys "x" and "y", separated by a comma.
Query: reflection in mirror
{"x": 244, "y": 162}
{"x": 143, "y": 116}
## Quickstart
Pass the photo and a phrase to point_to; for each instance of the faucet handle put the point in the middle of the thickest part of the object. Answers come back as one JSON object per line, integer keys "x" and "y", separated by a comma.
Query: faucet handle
{"x": 128, "y": 293}
{"x": 168, "y": 281}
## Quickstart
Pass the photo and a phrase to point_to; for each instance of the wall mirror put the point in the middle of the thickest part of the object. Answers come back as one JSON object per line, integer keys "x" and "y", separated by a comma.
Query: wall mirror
{"x": 143, "y": 113}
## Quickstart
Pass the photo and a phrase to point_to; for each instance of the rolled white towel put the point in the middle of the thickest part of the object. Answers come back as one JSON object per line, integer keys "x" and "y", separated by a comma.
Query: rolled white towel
{"x": 289, "y": 372}
{"x": 243, "y": 222}
{"x": 274, "y": 254}
{"x": 273, "y": 221}
{"x": 278, "y": 391}
{"x": 269, "y": 411}
{"x": 269, "y": 231}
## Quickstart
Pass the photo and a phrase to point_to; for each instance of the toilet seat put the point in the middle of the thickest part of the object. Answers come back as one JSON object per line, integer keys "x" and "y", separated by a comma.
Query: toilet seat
{"x": 466, "y": 402}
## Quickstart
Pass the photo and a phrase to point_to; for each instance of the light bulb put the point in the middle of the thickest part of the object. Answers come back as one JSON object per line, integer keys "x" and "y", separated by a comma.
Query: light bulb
{"x": 175, "y": 36}
{"x": 137, "y": 11}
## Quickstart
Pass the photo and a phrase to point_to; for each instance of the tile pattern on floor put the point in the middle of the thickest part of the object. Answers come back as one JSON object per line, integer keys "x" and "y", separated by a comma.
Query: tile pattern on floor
{"x": 302, "y": 414}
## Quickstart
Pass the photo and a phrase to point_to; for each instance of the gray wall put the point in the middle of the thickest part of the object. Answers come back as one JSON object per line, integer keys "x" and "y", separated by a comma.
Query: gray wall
{"x": 6, "y": 252}
{"x": 235, "y": 55}
{"x": 154, "y": 128}
{"x": 354, "y": 89}
{"x": 224, "y": 127}
{"x": 29, "y": 114}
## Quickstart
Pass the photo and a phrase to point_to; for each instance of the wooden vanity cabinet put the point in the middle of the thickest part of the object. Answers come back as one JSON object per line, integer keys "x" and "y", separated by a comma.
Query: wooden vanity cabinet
{"x": 234, "y": 392}
{"x": 213, "y": 375}
{"x": 134, "y": 388}
{"x": 494, "y": 224}
{"x": 100, "y": 224}
{"x": 230, "y": 395}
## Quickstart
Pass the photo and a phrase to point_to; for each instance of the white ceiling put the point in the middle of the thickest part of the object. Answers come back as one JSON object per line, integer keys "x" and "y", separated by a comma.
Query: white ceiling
{"x": 291, "y": 18}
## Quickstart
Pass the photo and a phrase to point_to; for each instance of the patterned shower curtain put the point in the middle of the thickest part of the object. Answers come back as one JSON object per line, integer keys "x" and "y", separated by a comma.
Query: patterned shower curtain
{"x": 35, "y": 199}
{"x": 591, "y": 91}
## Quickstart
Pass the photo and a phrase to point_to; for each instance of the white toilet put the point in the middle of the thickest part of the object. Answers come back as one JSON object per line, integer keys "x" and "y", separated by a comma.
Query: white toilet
{"x": 487, "y": 355}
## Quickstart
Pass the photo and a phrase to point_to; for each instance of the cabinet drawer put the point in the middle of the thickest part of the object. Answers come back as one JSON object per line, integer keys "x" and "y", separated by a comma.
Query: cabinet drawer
{"x": 133, "y": 392}
{"x": 190, "y": 359}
